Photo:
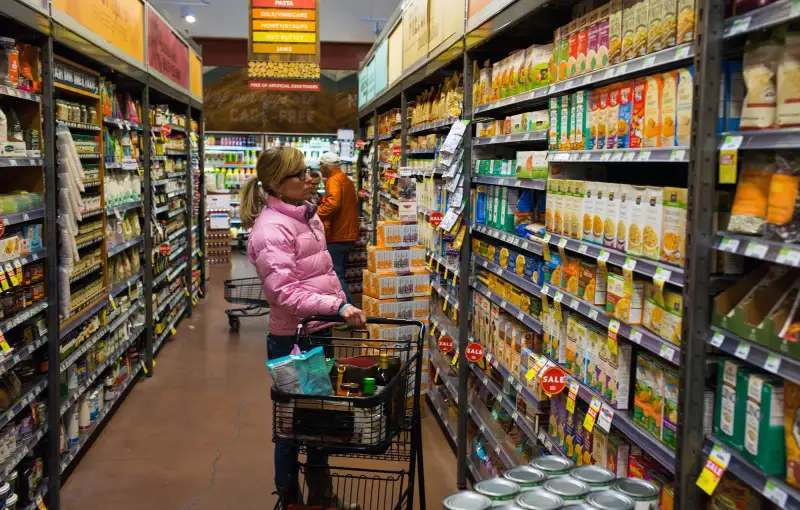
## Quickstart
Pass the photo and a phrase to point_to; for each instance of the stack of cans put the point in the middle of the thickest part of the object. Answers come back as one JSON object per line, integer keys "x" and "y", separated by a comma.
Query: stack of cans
{"x": 554, "y": 483}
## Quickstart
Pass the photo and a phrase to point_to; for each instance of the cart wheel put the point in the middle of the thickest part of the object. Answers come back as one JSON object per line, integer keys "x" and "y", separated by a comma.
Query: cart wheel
{"x": 233, "y": 322}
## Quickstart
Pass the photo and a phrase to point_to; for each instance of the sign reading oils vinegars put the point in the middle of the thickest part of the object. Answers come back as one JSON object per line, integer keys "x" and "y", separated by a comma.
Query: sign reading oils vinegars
{"x": 284, "y": 45}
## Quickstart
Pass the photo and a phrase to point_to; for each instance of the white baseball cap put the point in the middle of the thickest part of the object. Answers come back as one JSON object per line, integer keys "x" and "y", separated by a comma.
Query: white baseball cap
{"x": 329, "y": 158}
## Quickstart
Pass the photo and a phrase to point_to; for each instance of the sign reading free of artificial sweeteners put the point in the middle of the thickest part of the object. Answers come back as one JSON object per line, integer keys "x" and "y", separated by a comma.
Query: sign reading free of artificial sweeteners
{"x": 283, "y": 48}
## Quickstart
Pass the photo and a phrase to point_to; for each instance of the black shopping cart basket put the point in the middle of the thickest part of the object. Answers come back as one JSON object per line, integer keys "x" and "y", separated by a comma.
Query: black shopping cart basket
{"x": 246, "y": 291}
{"x": 383, "y": 426}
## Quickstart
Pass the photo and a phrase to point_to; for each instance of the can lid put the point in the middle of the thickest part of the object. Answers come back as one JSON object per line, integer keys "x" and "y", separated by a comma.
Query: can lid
{"x": 11, "y": 500}
{"x": 467, "y": 500}
{"x": 497, "y": 487}
{"x": 12, "y": 476}
{"x": 4, "y": 488}
{"x": 593, "y": 474}
{"x": 578, "y": 506}
{"x": 610, "y": 500}
{"x": 636, "y": 488}
{"x": 525, "y": 475}
{"x": 509, "y": 506}
{"x": 566, "y": 486}
{"x": 539, "y": 499}
{"x": 369, "y": 386}
{"x": 550, "y": 463}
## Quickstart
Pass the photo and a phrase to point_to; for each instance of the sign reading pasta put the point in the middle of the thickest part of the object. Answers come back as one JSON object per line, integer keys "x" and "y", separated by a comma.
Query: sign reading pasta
{"x": 283, "y": 47}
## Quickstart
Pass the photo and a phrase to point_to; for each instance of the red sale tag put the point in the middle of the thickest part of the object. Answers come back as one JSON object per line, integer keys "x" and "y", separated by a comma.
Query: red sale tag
{"x": 164, "y": 249}
{"x": 474, "y": 352}
{"x": 396, "y": 151}
{"x": 436, "y": 218}
{"x": 715, "y": 467}
{"x": 166, "y": 130}
{"x": 553, "y": 380}
{"x": 445, "y": 344}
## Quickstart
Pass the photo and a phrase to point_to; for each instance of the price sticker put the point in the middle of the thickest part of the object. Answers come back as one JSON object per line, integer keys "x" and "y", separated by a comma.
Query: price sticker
{"x": 715, "y": 467}
{"x": 582, "y": 249}
{"x": 497, "y": 449}
{"x": 40, "y": 503}
{"x": 593, "y": 314}
{"x": 18, "y": 269}
{"x": 483, "y": 428}
{"x": 172, "y": 330}
{"x": 500, "y": 398}
{"x": 444, "y": 305}
{"x": 739, "y": 25}
{"x": 729, "y": 245}
{"x": 536, "y": 368}
{"x": 3, "y": 281}
{"x": 572, "y": 395}
{"x": 717, "y": 339}
{"x": 635, "y": 337}
{"x": 627, "y": 274}
{"x": 667, "y": 352}
{"x": 608, "y": 74}
{"x": 742, "y": 350}
{"x": 660, "y": 277}
{"x": 613, "y": 328}
{"x": 772, "y": 364}
{"x": 788, "y": 257}
{"x": 605, "y": 156}
{"x": 728, "y": 157}
{"x": 12, "y": 275}
{"x": 644, "y": 156}
{"x": 543, "y": 295}
{"x": 605, "y": 417}
{"x": 454, "y": 361}
{"x": 586, "y": 156}
{"x": 649, "y": 61}
{"x": 617, "y": 156}
{"x": 514, "y": 416}
{"x": 775, "y": 494}
{"x": 591, "y": 414}
{"x": 756, "y": 250}
{"x": 113, "y": 303}
{"x": 677, "y": 155}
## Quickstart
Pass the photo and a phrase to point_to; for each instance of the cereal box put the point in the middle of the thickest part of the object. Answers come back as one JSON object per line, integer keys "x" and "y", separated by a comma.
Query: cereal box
{"x": 572, "y": 347}
{"x": 652, "y": 111}
{"x": 791, "y": 421}
{"x": 599, "y": 447}
{"x": 538, "y": 65}
{"x": 591, "y": 120}
{"x": 537, "y": 121}
{"x": 599, "y": 213}
{"x": 764, "y": 434}
{"x": 531, "y": 164}
{"x": 548, "y": 211}
{"x": 617, "y": 454}
{"x": 653, "y": 316}
{"x": 625, "y": 197}
{"x": 683, "y": 108}
{"x": 648, "y": 396}
{"x": 559, "y": 213}
{"x": 655, "y": 25}
{"x": 615, "y": 35}
{"x": 624, "y": 115}
{"x": 640, "y": 13}
{"x": 651, "y": 233}
{"x": 570, "y": 273}
{"x": 611, "y": 216}
{"x": 572, "y": 49}
{"x": 591, "y": 286}
{"x": 554, "y": 130}
{"x": 669, "y": 430}
{"x": 628, "y": 29}
{"x": 669, "y": 11}
{"x": 555, "y": 60}
{"x": 686, "y": 20}
{"x": 591, "y": 46}
{"x": 583, "y": 44}
{"x": 637, "y": 113}
{"x": 564, "y": 138}
{"x": 612, "y": 116}
{"x": 601, "y": 96}
{"x": 588, "y": 210}
{"x": 731, "y": 401}
{"x": 623, "y": 305}
{"x": 576, "y": 220}
{"x": 669, "y": 108}
{"x": 581, "y": 99}
{"x": 573, "y": 120}
{"x": 616, "y": 372}
{"x": 673, "y": 226}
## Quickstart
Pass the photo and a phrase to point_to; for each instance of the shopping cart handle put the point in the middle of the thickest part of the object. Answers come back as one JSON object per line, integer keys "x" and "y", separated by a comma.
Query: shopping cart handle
{"x": 370, "y": 320}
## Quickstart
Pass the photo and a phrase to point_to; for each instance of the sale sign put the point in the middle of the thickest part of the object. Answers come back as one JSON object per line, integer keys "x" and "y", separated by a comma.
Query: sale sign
{"x": 436, "y": 218}
{"x": 166, "y": 52}
{"x": 445, "y": 344}
{"x": 553, "y": 380}
{"x": 474, "y": 352}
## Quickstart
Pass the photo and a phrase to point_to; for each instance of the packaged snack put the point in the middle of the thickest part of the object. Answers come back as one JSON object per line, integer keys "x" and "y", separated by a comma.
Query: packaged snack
{"x": 573, "y": 120}
{"x": 576, "y": 217}
{"x": 485, "y": 83}
{"x": 531, "y": 164}
{"x": 791, "y": 425}
{"x": 625, "y": 198}
{"x": 615, "y": 34}
{"x": 669, "y": 106}
{"x": 564, "y": 138}
{"x": 648, "y": 397}
{"x": 733, "y": 95}
{"x": 641, "y": 12}
{"x": 750, "y": 203}
{"x": 517, "y": 74}
{"x": 669, "y": 431}
{"x": 625, "y": 306}
{"x": 601, "y": 96}
{"x": 655, "y": 25}
{"x": 554, "y": 130}
{"x": 672, "y": 317}
{"x": 733, "y": 494}
{"x": 788, "y": 81}
{"x": 651, "y": 233}
{"x": 612, "y": 116}
{"x": 611, "y": 217}
{"x": 783, "y": 209}
{"x": 731, "y": 401}
{"x": 673, "y": 227}
{"x": 652, "y": 111}
{"x": 624, "y": 115}
{"x": 683, "y": 108}
{"x": 764, "y": 443}
{"x": 637, "y": 113}
{"x": 599, "y": 213}
{"x": 760, "y": 60}
{"x": 583, "y": 44}
{"x": 653, "y": 315}
{"x": 548, "y": 211}
{"x": 686, "y": 21}
{"x": 572, "y": 49}
{"x": 537, "y": 66}
{"x": 588, "y": 210}
{"x": 669, "y": 11}
{"x": 628, "y": 29}
{"x": 592, "y": 42}
{"x": 563, "y": 54}
{"x": 581, "y": 99}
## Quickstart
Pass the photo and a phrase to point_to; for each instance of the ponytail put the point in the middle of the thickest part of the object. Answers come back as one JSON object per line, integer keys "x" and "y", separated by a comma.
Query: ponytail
{"x": 251, "y": 201}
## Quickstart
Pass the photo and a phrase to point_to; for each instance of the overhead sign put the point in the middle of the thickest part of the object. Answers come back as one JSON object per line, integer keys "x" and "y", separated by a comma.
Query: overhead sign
{"x": 196, "y": 74}
{"x": 415, "y": 32}
{"x": 283, "y": 47}
{"x": 166, "y": 52}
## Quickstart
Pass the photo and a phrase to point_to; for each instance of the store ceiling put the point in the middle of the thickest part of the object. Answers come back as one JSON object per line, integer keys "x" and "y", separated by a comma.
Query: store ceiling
{"x": 341, "y": 20}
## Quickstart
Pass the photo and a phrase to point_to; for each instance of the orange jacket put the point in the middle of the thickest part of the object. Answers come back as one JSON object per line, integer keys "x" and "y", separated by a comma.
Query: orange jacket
{"x": 339, "y": 209}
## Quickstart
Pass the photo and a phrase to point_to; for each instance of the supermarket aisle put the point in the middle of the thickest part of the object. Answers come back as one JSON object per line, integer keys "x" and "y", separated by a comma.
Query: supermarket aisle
{"x": 198, "y": 434}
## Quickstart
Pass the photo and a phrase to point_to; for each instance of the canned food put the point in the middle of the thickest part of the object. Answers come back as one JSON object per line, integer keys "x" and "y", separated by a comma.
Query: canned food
{"x": 466, "y": 500}
{"x": 643, "y": 493}
{"x": 508, "y": 506}
{"x": 579, "y": 506}
{"x": 567, "y": 488}
{"x": 527, "y": 477}
{"x": 499, "y": 490}
{"x": 609, "y": 500}
{"x": 5, "y": 493}
{"x": 11, "y": 502}
{"x": 553, "y": 465}
{"x": 596, "y": 477}
{"x": 539, "y": 499}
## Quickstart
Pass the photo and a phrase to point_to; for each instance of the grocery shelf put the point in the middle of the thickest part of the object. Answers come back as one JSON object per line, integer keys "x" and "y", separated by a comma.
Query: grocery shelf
{"x": 758, "y": 19}
{"x": 127, "y": 284}
{"x": 160, "y": 339}
{"x": 451, "y": 300}
{"x": 510, "y": 276}
{"x": 159, "y": 182}
{"x": 521, "y": 316}
{"x": 122, "y": 123}
{"x": 41, "y": 494}
{"x": 86, "y": 272}
{"x": 441, "y": 262}
{"x": 173, "y": 127}
{"x": 87, "y": 344}
{"x": 21, "y": 217}
{"x": 23, "y": 352}
{"x": 644, "y": 155}
{"x": 520, "y": 242}
{"x": 227, "y": 165}
{"x": 423, "y": 151}
{"x": 168, "y": 302}
{"x": 175, "y": 253}
{"x": 19, "y": 94}
{"x": 27, "y": 396}
{"x": 528, "y": 136}
{"x": 79, "y": 318}
{"x": 441, "y": 368}
{"x": 90, "y": 241}
{"x": 787, "y": 138}
{"x": 226, "y": 148}
{"x": 755, "y": 354}
{"x": 22, "y": 316}
{"x": 89, "y": 155}
{"x": 771, "y": 487}
{"x": 176, "y": 193}
{"x": 22, "y": 450}
{"x": 124, "y": 246}
{"x": 497, "y": 445}
{"x": 176, "y": 234}
{"x": 175, "y": 212}
{"x": 643, "y": 266}
{"x": 178, "y": 153}
{"x": 161, "y": 209}
{"x": 758, "y": 248}
{"x": 511, "y": 182}
{"x": 439, "y": 125}
{"x": 11, "y": 162}
{"x": 529, "y": 98}
{"x": 91, "y": 213}
{"x": 30, "y": 257}
{"x": 111, "y": 211}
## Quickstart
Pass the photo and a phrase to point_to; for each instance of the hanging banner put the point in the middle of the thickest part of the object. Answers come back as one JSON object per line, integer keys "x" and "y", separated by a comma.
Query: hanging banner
{"x": 283, "y": 47}
{"x": 445, "y": 17}
{"x": 415, "y": 32}
{"x": 119, "y": 23}
{"x": 166, "y": 52}
{"x": 395, "y": 58}
{"x": 196, "y": 74}
{"x": 380, "y": 71}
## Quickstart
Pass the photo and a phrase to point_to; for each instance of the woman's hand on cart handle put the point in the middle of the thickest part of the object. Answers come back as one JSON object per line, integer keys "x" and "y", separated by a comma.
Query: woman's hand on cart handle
{"x": 353, "y": 316}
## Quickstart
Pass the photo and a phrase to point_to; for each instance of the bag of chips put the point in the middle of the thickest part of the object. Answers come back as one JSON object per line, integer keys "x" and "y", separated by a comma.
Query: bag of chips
{"x": 749, "y": 211}
{"x": 783, "y": 208}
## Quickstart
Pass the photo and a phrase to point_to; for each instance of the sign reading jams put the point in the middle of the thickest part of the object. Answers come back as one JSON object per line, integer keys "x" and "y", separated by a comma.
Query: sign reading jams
{"x": 283, "y": 48}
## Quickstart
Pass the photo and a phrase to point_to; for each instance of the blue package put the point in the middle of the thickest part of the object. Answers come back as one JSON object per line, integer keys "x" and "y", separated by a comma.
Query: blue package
{"x": 734, "y": 94}
{"x": 305, "y": 373}
{"x": 480, "y": 205}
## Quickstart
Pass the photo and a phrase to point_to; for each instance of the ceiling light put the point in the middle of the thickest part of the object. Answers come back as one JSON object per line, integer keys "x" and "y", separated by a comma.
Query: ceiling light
{"x": 188, "y": 14}
{"x": 190, "y": 18}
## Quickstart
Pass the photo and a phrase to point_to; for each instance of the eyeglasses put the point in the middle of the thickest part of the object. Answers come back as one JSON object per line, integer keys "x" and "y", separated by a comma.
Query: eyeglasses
{"x": 302, "y": 174}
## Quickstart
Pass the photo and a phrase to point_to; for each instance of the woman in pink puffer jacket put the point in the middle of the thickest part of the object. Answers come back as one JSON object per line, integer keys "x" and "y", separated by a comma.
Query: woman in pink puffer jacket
{"x": 287, "y": 246}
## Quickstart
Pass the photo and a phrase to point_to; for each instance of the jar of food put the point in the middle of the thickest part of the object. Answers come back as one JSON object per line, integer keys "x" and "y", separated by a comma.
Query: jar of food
{"x": 11, "y": 502}
{"x": 609, "y": 500}
{"x": 9, "y": 62}
{"x": 539, "y": 499}
{"x": 569, "y": 489}
{"x": 499, "y": 490}
{"x": 553, "y": 465}
{"x": 527, "y": 477}
{"x": 642, "y": 492}
{"x": 596, "y": 477}
{"x": 92, "y": 115}
{"x": 84, "y": 113}
{"x": 466, "y": 500}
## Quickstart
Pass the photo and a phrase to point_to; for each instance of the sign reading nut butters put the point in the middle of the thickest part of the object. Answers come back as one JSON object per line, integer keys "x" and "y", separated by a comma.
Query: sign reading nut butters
{"x": 445, "y": 344}
{"x": 474, "y": 352}
{"x": 436, "y": 218}
{"x": 553, "y": 380}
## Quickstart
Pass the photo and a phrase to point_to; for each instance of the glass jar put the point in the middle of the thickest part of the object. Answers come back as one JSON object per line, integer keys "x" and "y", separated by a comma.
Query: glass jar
{"x": 9, "y": 62}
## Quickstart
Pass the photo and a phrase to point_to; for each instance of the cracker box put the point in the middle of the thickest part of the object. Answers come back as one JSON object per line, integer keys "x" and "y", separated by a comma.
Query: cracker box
{"x": 572, "y": 49}
{"x": 625, "y": 306}
{"x": 599, "y": 212}
{"x": 791, "y": 422}
{"x": 731, "y": 401}
{"x": 669, "y": 12}
{"x": 669, "y": 108}
{"x": 548, "y": 211}
{"x": 673, "y": 226}
{"x": 615, "y": 34}
{"x": 564, "y": 138}
{"x": 652, "y": 111}
{"x": 537, "y": 65}
{"x": 592, "y": 284}
{"x": 602, "y": 119}
{"x": 648, "y": 397}
{"x": 531, "y": 164}
{"x": 617, "y": 454}
{"x": 589, "y": 190}
{"x": 615, "y": 362}
{"x": 624, "y": 115}
{"x": 764, "y": 443}
{"x": 683, "y": 107}
{"x": 581, "y": 99}
{"x": 592, "y": 63}
{"x": 636, "y": 222}
{"x": 625, "y": 198}
{"x": 672, "y": 318}
{"x": 669, "y": 430}
{"x": 651, "y": 233}
{"x": 637, "y": 113}
{"x": 655, "y": 25}
{"x": 581, "y": 64}
{"x": 612, "y": 116}
{"x": 576, "y": 220}
{"x": 628, "y": 29}
{"x": 595, "y": 342}
{"x": 641, "y": 13}
{"x": 686, "y": 21}
{"x": 573, "y": 120}
{"x": 518, "y": 74}
{"x": 537, "y": 120}
{"x": 611, "y": 216}
{"x": 591, "y": 120}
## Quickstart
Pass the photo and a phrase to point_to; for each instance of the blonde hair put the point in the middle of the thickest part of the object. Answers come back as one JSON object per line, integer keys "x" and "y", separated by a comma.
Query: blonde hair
{"x": 273, "y": 166}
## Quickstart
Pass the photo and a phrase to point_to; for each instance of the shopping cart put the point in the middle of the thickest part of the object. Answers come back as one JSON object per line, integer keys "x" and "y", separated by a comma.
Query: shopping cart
{"x": 246, "y": 291}
{"x": 385, "y": 426}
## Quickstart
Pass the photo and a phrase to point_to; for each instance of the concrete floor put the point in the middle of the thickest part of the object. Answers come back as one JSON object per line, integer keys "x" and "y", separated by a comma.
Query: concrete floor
{"x": 198, "y": 435}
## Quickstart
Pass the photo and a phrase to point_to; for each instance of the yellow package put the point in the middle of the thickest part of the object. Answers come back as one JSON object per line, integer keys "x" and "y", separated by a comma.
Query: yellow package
{"x": 673, "y": 226}
{"x": 669, "y": 11}
{"x": 641, "y": 12}
{"x": 651, "y": 233}
{"x": 686, "y": 20}
{"x": 669, "y": 108}
{"x": 672, "y": 321}
{"x": 683, "y": 111}
{"x": 652, "y": 111}
{"x": 655, "y": 25}
{"x": 628, "y": 29}
{"x": 625, "y": 306}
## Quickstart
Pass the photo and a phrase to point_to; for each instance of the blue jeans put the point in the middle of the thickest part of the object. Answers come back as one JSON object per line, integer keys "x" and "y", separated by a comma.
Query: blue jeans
{"x": 286, "y": 454}
{"x": 340, "y": 253}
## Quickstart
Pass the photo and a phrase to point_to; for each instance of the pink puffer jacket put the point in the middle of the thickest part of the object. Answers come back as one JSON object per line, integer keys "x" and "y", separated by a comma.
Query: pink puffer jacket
{"x": 294, "y": 265}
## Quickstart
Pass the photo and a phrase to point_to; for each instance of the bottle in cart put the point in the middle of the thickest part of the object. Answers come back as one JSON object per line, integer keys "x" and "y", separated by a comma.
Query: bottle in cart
{"x": 383, "y": 377}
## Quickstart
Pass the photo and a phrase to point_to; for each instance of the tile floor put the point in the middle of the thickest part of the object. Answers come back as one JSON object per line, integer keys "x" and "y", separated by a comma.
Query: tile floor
{"x": 198, "y": 434}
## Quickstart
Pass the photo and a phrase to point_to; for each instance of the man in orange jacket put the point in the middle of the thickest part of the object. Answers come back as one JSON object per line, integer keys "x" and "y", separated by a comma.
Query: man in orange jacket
{"x": 338, "y": 210}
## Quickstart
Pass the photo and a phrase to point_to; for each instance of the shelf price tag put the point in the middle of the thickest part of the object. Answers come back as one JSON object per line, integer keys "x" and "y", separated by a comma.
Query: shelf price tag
{"x": 728, "y": 156}
{"x": 788, "y": 257}
{"x": 742, "y": 350}
{"x": 605, "y": 417}
{"x": 715, "y": 467}
{"x": 667, "y": 352}
{"x": 756, "y": 250}
{"x": 40, "y": 503}
{"x": 775, "y": 494}
{"x": 572, "y": 395}
{"x": 557, "y": 305}
{"x": 729, "y": 245}
{"x": 454, "y": 361}
{"x": 3, "y": 281}
{"x": 591, "y": 414}
{"x": 172, "y": 330}
{"x": 113, "y": 302}
{"x": 543, "y": 294}
{"x": 536, "y": 368}
{"x": 562, "y": 244}
{"x": 717, "y": 339}
{"x": 144, "y": 367}
{"x": 677, "y": 155}
{"x": 430, "y": 261}
{"x": 18, "y": 268}
{"x": 613, "y": 333}
{"x": 773, "y": 363}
